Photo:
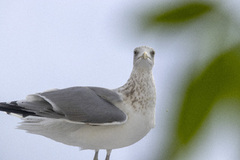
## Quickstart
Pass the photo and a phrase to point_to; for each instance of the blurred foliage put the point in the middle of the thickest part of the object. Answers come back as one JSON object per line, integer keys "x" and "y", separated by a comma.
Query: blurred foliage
{"x": 219, "y": 80}
{"x": 181, "y": 13}
{"x": 216, "y": 81}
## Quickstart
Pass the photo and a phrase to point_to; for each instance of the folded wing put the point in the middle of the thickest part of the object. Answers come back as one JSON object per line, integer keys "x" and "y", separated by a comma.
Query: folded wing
{"x": 91, "y": 105}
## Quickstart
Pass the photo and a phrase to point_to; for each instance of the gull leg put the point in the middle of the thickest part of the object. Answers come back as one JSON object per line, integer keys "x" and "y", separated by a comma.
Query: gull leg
{"x": 96, "y": 155}
{"x": 108, "y": 154}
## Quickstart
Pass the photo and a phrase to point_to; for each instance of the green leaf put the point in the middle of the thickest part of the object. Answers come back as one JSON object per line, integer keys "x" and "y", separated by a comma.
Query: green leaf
{"x": 219, "y": 80}
{"x": 181, "y": 13}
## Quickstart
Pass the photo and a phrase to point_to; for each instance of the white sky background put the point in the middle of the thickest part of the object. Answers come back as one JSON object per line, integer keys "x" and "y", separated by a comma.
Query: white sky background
{"x": 57, "y": 44}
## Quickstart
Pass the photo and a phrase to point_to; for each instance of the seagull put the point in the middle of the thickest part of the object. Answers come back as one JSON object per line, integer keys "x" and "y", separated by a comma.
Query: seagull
{"x": 92, "y": 117}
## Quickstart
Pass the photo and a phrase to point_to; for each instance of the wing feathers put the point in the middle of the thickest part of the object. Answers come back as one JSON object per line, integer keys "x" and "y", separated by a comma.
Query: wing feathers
{"x": 79, "y": 104}
{"x": 84, "y": 105}
{"x": 14, "y": 108}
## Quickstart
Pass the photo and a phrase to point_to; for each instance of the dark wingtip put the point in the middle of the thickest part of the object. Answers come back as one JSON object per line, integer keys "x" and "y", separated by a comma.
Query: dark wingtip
{"x": 13, "y": 107}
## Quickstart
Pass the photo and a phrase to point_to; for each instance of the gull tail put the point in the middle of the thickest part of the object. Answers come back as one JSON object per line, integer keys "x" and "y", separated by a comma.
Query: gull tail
{"x": 14, "y": 109}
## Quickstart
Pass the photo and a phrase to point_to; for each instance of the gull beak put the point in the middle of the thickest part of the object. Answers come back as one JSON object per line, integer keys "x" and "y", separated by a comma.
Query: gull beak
{"x": 145, "y": 56}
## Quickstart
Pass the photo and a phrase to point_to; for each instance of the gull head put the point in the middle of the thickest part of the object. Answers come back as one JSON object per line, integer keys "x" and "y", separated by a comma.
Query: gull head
{"x": 143, "y": 58}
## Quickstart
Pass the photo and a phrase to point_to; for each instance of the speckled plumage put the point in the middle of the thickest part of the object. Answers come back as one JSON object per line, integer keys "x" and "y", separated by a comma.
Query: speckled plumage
{"x": 139, "y": 90}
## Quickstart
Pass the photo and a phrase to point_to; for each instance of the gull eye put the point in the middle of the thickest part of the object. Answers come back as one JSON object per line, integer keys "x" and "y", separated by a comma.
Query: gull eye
{"x": 135, "y": 53}
{"x": 152, "y": 53}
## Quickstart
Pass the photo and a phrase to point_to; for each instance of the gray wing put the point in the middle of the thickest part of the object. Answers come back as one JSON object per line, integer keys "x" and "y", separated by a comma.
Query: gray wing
{"x": 79, "y": 104}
